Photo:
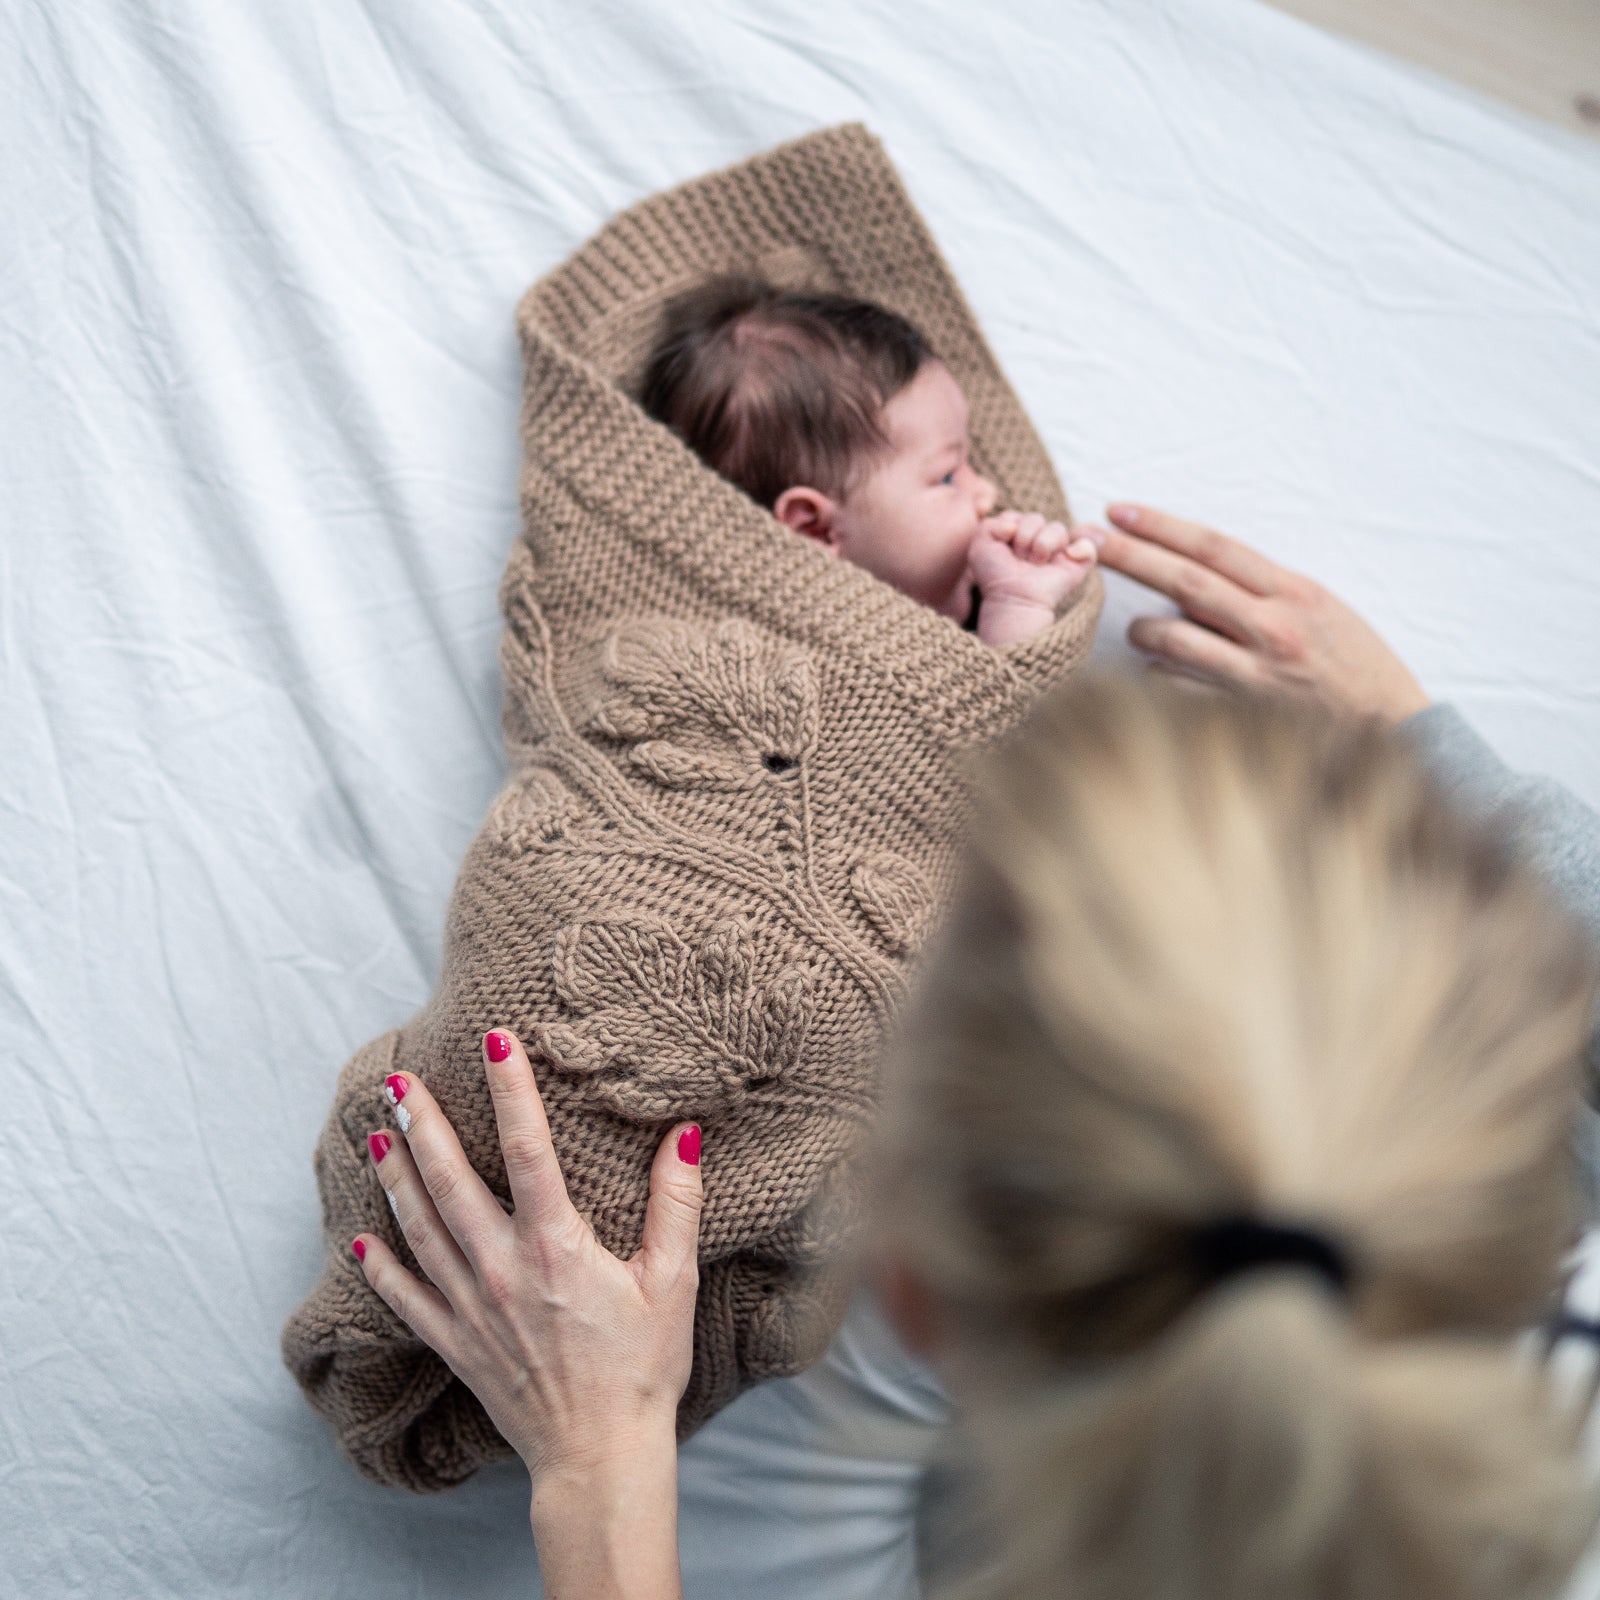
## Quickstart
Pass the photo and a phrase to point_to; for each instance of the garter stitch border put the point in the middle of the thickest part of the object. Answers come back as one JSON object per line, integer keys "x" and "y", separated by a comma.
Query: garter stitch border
{"x": 736, "y": 790}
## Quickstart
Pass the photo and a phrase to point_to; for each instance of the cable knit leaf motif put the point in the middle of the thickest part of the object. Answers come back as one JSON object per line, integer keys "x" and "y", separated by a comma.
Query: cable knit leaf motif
{"x": 895, "y": 898}
{"x": 663, "y": 1028}
{"x": 721, "y": 707}
{"x": 536, "y": 812}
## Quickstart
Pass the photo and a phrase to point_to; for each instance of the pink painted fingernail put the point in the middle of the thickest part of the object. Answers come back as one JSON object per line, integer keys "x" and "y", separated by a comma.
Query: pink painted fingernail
{"x": 360, "y": 1248}
{"x": 395, "y": 1087}
{"x": 496, "y": 1046}
{"x": 378, "y": 1145}
{"x": 689, "y": 1147}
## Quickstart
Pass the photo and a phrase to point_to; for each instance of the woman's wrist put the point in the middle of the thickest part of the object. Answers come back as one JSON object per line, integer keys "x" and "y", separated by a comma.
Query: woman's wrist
{"x": 607, "y": 1528}
{"x": 1403, "y": 698}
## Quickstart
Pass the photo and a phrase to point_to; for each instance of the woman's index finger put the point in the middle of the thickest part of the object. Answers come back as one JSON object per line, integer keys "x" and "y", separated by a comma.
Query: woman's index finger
{"x": 532, "y": 1168}
{"x": 1215, "y": 551}
{"x": 1200, "y": 593}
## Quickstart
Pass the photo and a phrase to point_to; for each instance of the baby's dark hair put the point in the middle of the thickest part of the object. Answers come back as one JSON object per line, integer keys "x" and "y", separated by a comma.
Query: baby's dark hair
{"x": 774, "y": 388}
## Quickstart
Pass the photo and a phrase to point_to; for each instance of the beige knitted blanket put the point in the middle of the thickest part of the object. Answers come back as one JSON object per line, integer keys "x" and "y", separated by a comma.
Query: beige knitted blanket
{"x": 735, "y": 793}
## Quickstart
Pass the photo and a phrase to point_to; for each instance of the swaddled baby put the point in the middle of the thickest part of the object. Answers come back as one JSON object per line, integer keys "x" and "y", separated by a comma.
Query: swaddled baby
{"x": 835, "y": 415}
{"x": 737, "y": 767}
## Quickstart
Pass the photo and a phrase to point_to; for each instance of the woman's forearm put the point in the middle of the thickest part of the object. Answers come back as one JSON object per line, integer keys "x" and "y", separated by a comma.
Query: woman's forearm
{"x": 612, "y": 1534}
{"x": 1558, "y": 830}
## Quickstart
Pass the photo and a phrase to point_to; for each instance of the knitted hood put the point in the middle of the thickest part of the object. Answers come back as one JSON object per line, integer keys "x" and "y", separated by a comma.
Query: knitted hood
{"x": 735, "y": 797}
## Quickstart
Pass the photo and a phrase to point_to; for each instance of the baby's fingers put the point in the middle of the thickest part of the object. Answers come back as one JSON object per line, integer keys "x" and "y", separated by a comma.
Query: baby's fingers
{"x": 1028, "y": 531}
{"x": 1049, "y": 542}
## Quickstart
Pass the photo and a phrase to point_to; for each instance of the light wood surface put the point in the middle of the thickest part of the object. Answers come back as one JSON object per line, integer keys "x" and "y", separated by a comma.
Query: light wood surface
{"x": 1541, "y": 56}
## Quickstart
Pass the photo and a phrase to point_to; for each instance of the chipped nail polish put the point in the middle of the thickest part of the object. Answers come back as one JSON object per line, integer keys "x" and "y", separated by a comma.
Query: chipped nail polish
{"x": 378, "y": 1145}
{"x": 689, "y": 1147}
{"x": 496, "y": 1046}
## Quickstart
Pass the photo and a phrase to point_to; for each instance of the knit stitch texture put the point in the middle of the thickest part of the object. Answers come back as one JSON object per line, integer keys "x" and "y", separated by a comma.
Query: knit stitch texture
{"x": 737, "y": 786}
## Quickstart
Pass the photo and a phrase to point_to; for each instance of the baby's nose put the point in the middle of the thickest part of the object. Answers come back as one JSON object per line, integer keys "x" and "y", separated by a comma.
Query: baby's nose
{"x": 988, "y": 496}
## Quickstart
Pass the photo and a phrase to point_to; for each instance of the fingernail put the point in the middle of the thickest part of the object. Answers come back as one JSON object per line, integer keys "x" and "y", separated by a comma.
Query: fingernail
{"x": 378, "y": 1145}
{"x": 1124, "y": 513}
{"x": 689, "y": 1147}
{"x": 360, "y": 1248}
{"x": 496, "y": 1046}
{"x": 394, "y": 1091}
{"x": 1087, "y": 530}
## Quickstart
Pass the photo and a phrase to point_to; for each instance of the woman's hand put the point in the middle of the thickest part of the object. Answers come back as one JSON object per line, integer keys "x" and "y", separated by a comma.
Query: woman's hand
{"x": 579, "y": 1358}
{"x": 1248, "y": 623}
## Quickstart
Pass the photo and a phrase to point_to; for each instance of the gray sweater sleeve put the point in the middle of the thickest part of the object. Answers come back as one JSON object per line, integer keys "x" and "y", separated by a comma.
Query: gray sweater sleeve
{"x": 1559, "y": 832}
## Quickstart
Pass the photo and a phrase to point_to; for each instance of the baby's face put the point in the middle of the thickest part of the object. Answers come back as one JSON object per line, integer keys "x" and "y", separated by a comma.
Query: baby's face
{"x": 913, "y": 518}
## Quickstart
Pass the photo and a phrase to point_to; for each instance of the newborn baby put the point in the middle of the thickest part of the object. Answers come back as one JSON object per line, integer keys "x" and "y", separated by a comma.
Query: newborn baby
{"x": 837, "y": 417}
{"x": 737, "y": 773}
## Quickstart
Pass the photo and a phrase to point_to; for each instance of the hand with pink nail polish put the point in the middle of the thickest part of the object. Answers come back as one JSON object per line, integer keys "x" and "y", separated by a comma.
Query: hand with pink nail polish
{"x": 579, "y": 1358}
{"x": 1247, "y": 623}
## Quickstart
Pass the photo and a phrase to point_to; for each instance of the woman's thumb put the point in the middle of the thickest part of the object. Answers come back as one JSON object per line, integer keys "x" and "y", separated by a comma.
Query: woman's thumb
{"x": 672, "y": 1217}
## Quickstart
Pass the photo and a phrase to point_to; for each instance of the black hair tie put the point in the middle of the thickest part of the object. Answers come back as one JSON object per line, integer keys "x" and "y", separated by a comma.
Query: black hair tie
{"x": 1232, "y": 1245}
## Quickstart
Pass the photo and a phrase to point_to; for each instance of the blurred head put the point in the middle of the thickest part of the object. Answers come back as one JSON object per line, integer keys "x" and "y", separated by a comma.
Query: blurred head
{"x": 835, "y": 415}
{"x": 1215, "y": 958}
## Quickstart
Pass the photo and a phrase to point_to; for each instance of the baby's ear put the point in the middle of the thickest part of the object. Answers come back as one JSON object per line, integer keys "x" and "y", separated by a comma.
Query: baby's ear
{"x": 810, "y": 513}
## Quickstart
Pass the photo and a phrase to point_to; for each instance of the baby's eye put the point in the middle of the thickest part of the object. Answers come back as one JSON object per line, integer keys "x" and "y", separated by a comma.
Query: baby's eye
{"x": 950, "y": 476}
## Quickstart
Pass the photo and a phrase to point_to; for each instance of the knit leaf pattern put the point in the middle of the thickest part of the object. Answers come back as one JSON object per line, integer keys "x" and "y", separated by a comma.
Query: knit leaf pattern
{"x": 671, "y": 1029}
{"x": 736, "y": 789}
{"x": 895, "y": 898}
{"x": 718, "y": 708}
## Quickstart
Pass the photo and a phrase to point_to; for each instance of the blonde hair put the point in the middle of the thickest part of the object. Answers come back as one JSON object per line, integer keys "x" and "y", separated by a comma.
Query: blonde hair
{"x": 1211, "y": 958}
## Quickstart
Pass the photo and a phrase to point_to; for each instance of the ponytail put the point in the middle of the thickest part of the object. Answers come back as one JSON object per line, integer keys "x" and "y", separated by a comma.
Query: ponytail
{"x": 1229, "y": 1127}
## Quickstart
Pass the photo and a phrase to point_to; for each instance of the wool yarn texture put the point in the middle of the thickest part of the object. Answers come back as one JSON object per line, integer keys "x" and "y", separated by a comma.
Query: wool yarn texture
{"x": 737, "y": 786}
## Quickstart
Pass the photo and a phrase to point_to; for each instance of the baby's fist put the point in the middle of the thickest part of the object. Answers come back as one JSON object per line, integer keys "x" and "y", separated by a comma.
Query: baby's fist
{"x": 1025, "y": 567}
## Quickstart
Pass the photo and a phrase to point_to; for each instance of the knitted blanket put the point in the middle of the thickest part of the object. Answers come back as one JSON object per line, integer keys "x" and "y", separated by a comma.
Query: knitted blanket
{"x": 735, "y": 795}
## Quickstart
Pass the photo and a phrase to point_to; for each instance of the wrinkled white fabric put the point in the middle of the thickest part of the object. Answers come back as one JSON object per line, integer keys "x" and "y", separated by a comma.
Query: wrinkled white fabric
{"x": 258, "y": 390}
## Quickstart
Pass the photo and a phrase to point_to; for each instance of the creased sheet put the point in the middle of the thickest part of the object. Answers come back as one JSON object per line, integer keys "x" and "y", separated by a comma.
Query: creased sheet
{"x": 258, "y": 391}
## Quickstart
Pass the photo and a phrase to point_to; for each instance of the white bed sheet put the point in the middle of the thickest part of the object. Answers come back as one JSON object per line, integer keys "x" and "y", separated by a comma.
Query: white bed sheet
{"x": 258, "y": 392}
